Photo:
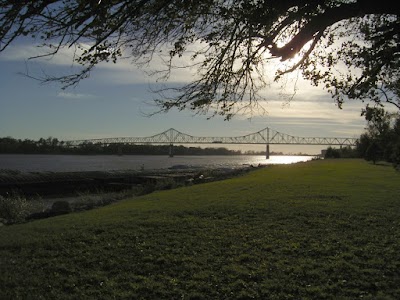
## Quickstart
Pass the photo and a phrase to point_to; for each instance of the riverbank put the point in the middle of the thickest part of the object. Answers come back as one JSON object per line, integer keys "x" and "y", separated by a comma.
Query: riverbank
{"x": 25, "y": 196}
{"x": 326, "y": 229}
{"x": 58, "y": 184}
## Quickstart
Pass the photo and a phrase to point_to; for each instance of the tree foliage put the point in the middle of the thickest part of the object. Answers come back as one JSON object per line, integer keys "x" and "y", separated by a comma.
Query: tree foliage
{"x": 345, "y": 152}
{"x": 349, "y": 47}
{"x": 381, "y": 141}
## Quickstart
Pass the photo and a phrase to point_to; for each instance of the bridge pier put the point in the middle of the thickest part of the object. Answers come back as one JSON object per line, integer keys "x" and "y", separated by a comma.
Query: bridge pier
{"x": 171, "y": 150}
{"x": 119, "y": 150}
{"x": 267, "y": 146}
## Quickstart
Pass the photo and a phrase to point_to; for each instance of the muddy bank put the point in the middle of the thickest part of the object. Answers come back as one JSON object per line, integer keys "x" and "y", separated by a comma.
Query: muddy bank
{"x": 27, "y": 196}
{"x": 64, "y": 184}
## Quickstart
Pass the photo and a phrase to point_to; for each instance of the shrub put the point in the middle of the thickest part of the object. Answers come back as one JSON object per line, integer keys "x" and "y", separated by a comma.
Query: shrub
{"x": 396, "y": 156}
{"x": 15, "y": 208}
{"x": 60, "y": 207}
{"x": 332, "y": 153}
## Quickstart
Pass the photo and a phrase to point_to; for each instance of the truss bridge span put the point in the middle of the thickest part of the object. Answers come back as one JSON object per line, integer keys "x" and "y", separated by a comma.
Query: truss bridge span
{"x": 265, "y": 136}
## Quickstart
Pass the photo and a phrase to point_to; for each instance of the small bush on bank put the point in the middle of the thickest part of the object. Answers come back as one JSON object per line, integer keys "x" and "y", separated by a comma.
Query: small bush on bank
{"x": 396, "y": 156}
{"x": 61, "y": 207}
{"x": 16, "y": 208}
{"x": 89, "y": 200}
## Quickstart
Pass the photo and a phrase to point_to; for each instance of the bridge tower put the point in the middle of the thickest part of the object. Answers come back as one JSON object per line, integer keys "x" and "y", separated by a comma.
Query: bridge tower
{"x": 171, "y": 150}
{"x": 267, "y": 146}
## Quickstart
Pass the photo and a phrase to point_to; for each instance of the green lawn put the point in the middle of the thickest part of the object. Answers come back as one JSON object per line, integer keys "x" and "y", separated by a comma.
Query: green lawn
{"x": 320, "y": 230}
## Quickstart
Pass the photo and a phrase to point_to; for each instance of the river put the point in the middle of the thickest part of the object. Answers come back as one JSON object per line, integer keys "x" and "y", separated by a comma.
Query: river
{"x": 81, "y": 163}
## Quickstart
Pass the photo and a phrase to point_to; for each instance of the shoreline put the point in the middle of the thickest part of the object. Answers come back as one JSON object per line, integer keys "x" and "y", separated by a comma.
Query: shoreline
{"x": 67, "y": 184}
{"x": 68, "y": 163}
{"x": 48, "y": 194}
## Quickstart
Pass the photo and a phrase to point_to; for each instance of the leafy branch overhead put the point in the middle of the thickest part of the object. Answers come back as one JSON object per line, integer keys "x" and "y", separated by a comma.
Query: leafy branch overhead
{"x": 349, "y": 47}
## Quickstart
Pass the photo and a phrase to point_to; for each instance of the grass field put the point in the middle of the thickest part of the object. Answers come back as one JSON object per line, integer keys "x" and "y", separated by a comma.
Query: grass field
{"x": 319, "y": 230}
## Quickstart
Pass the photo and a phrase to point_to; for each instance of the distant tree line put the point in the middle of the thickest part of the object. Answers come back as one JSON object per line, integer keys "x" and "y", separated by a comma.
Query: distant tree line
{"x": 27, "y": 146}
{"x": 379, "y": 142}
{"x": 54, "y": 146}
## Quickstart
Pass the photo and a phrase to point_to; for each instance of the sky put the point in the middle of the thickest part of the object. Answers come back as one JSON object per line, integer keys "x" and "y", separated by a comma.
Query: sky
{"x": 116, "y": 99}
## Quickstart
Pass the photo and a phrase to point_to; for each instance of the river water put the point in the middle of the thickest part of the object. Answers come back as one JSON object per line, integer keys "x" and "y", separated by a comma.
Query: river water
{"x": 79, "y": 163}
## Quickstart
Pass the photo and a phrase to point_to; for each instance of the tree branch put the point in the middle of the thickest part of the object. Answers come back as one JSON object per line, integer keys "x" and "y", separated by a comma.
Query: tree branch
{"x": 330, "y": 17}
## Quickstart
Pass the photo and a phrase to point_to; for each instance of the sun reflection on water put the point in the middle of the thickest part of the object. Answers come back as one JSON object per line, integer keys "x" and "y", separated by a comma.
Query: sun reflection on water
{"x": 288, "y": 159}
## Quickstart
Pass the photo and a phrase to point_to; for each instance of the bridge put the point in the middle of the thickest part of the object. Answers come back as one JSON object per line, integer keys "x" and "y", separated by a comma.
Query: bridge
{"x": 266, "y": 136}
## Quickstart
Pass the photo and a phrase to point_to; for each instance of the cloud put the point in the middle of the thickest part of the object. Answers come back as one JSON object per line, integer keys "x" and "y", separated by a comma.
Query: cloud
{"x": 316, "y": 115}
{"x": 309, "y": 104}
{"x": 66, "y": 95}
{"x": 37, "y": 53}
{"x": 123, "y": 72}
